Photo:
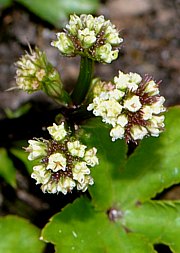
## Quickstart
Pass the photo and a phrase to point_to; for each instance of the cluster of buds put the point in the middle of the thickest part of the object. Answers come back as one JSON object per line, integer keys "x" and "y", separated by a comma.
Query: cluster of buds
{"x": 92, "y": 37}
{"x": 34, "y": 73}
{"x": 63, "y": 162}
{"x": 131, "y": 105}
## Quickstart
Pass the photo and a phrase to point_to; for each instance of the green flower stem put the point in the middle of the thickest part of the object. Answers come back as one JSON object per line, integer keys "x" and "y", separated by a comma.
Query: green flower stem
{"x": 84, "y": 81}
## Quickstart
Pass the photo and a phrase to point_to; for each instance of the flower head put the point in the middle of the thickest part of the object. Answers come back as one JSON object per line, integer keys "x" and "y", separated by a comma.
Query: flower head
{"x": 89, "y": 36}
{"x": 34, "y": 73}
{"x": 65, "y": 162}
{"x": 132, "y": 106}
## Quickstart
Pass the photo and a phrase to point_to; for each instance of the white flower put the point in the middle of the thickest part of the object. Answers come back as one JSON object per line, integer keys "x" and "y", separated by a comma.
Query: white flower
{"x": 108, "y": 109}
{"x": 65, "y": 185}
{"x": 133, "y": 103}
{"x": 90, "y": 157}
{"x": 56, "y": 162}
{"x": 36, "y": 149}
{"x": 147, "y": 112}
{"x": 40, "y": 174}
{"x": 86, "y": 37}
{"x": 57, "y": 132}
{"x": 74, "y": 25}
{"x": 117, "y": 132}
{"x": 64, "y": 44}
{"x": 88, "y": 180}
{"x": 76, "y": 149}
{"x": 105, "y": 53}
{"x": 158, "y": 107}
{"x": 152, "y": 88}
{"x": 79, "y": 171}
{"x": 112, "y": 36}
{"x": 138, "y": 132}
{"x": 156, "y": 125}
{"x": 135, "y": 78}
{"x": 121, "y": 81}
{"x": 122, "y": 120}
{"x": 116, "y": 94}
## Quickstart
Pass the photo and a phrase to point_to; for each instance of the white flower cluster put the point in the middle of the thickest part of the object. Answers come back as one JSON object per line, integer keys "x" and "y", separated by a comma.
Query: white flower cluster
{"x": 89, "y": 36}
{"x": 133, "y": 107}
{"x": 63, "y": 163}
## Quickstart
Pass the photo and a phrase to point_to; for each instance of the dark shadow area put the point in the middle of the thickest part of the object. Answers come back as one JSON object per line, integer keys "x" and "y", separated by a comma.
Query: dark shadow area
{"x": 162, "y": 248}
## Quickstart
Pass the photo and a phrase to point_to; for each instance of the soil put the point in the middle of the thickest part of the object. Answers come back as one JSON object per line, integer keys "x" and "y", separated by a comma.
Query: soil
{"x": 151, "y": 32}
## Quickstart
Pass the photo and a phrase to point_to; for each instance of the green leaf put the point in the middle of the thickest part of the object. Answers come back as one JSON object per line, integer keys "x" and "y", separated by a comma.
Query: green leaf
{"x": 154, "y": 165}
{"x": 5, "y": 3}
{"x": 56, "y": 11}
{"x": 17, "y": 235}
{"x": 23, "y": 109}
{"x": 7, "y": 169}
{"x": 23, "y": 156}
{"x": 111, "y": 156}
{"x": 79, "y": 228}
{"x": 158, "y": 220}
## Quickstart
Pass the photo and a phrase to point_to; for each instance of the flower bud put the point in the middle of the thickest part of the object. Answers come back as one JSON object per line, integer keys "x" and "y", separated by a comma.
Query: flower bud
{"x": 34, "y": 73}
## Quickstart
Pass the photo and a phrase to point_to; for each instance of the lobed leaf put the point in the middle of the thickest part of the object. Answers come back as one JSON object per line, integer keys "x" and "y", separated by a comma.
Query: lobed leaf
{"x": 158, "y": 220}
{"x": 112, "y": 156}
{"x": 17, "y": 235}
{"x": 79, "y": 228}
{"x": 154, "y": 166}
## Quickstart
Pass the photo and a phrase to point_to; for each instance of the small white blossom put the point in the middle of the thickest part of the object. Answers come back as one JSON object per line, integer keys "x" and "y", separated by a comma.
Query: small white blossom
{"x": 135, "y": 78}
{"x": 138, "y": 132}
{"x": 76, "y": 149}
{"x": 74, "y": 25}
{"x": 86, "y": 37}
{"x": 122, "y": 120}
{"x": 64, "y": 44}
{"x": 116, "y": 94}
{"x": 91, "y": 158}
{"x": 88, "y": 180}
{"x": 133, "y": 103}
{"x": 65, "y": 185}
{"x": 112, "y": 36}
{"x": 152, "y": 88}
{"x": 40, "y": 174}
{"x": 156, "y": 125}
{"x": 147, "y": 112}
{"x": 121, "y": 81}
{"x": 36, "y": 149}
{"x": 56, "y": 162}
{"x": 57, "y": 132}
{"x": 158, "y": 107}
{"x": 106, "y": 54}
{"x": 79, "y": 171}
{"x": 117, "y": 132}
